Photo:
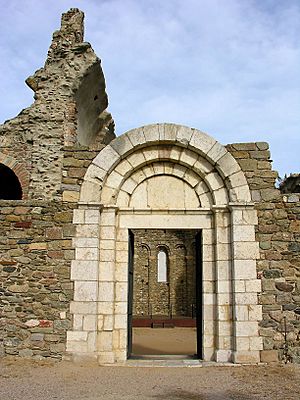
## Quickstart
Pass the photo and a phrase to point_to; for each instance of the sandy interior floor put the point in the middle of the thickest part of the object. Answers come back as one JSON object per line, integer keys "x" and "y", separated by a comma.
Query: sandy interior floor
{"x": 172, "y": 341}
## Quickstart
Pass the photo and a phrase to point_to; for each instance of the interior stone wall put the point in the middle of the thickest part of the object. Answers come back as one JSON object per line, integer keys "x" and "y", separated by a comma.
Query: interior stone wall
{"x": 176, "y": 296}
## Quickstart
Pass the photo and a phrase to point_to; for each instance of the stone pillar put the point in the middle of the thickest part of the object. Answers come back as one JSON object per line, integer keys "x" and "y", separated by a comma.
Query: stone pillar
{"x": 106, "y": 286}
{"x": 81, "y": 340}
{"x": 246, "y": 286}
{"x": 223, "y": 285}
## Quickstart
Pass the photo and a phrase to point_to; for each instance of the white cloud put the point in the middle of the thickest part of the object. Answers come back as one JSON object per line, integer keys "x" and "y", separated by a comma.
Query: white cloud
{"x": 228, "y": 67}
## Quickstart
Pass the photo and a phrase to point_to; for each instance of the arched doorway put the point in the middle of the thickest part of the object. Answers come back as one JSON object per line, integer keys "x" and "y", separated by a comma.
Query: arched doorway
{"x": 165, "y": 176}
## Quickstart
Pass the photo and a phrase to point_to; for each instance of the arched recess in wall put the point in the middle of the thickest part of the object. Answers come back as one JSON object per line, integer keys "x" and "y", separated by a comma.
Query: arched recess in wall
{"x": 14, "y": 179}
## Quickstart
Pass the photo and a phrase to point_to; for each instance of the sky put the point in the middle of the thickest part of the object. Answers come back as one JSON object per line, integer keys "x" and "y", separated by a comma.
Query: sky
{"x": 230, "y": 68}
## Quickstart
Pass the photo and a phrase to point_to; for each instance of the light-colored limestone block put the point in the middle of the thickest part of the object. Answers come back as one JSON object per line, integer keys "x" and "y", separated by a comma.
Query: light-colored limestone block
{"x": 84, "y": 270}
{"x": 90, "y": 192}
{"x": 89, "y": 322}
{"x": 108, "y": 322}
{"x": 78, "y": 216}
{"x": 245, "y": 269}
{"x": 151, "y": 133}
{"x": 136, "y": 159}
{"x": 87, "y": 231}
{"x": 106, "y": 158}
{"x": 107, "y": 255}
{"x": 246, "y": 298}
{"x": 85, "y": 242}
{"x": 120, "y": 321}
{"x": 86, "y": 253}
{"x": 75, "y": 336}
{"x": 106, "y": 271}
{"x": 216, "y": 152}
{"x": 91, "y": 217}
{"x": 83, "y": 307}
{"x": 114, "y": 180}
{"x": 123, "y": 168}
{"x": 121, "y": 291}
{"x": 167, "y": 132}
{"x": 184, "y": 135}
{"x": 85, "y": 291}
{"x": 106, "y": 292}
{"x": 227, "y": 165}
{"x": 253, "y": 285}
{"x": 201, "y": 142}
{"x": 136, "y": 137}
{"x": 121, "y": 144}
{"x": 245, "y": 250}
{"x": 107, "y": 232}
{"x": 105, "y": 341}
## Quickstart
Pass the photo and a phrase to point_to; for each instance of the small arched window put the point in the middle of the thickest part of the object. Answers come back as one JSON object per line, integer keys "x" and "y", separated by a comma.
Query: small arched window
{"x": 162, "y": 266}
{"x": 10, "y": 188}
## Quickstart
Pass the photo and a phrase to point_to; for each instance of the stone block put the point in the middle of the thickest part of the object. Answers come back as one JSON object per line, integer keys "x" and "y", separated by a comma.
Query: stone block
{"x": 256, "y": 343}
{"x": 227, "y": 165}
{"x": 107, "y": 232}
{"x": 246, "y": 298}
{"x": 85, "y": 291}
{"x": 114, "y": 180}
{"x": 246, "y": 328}
{"x": 245, "y": 250}
{"x": 167, "y": 132}
{"x": 75, "y": 336}
{"x": 106, "y": 271}
{"x": 240, "y": 194}
{"x": 120, "y": 321}
{"x": 121, "y": 144}
{"x": 216, "y": 152}
{"x": 91, "y": 217}
{"x": 106, "y": 158}
{"x": 83, "y": 307}
{"x": 269, "y": 356}
{"x": 106, "y": 292}
{"x": 121, "y": 291}
{"x": 89, "y": 322}
{"x": 188, "y": 157}
{"x": 84, "y": 270}
{"x": 87, "y": 253}
{"x": 108, "y": 322}
{"x": 151, "y": 133}
{"x": 201, "y": 142}
{"x": 214, "y": 181}
{"x": 85, "y": 242}
{"x": 243, "y": 344}
{"x": 105, "y": 341}
{"x": 253, "y": 285}
{"x": 87, "y": 231}
{"x": 107, "y": 255}
{"x": 245, "y": 269}
{"x": 246, "y": 357}
{"x": 136, "y": 137}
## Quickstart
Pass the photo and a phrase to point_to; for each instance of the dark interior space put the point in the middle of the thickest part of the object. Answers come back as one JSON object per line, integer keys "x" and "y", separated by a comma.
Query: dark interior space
{"x": 10, "y": 188}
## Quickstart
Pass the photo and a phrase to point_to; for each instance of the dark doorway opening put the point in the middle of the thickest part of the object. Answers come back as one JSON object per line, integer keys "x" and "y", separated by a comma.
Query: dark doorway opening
{"x": 165, "y": 293}
{"x": 10, "y": 188}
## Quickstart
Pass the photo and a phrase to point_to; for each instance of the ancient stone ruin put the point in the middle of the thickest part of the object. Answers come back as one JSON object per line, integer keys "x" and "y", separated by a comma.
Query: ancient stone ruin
{"x": 164, "y": 222}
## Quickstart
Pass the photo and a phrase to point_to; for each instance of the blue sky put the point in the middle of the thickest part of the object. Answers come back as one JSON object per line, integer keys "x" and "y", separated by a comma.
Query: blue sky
{"x": 230, "y": 68}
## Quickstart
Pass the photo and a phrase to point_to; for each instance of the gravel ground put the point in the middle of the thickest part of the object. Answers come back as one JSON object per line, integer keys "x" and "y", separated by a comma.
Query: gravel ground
{"x": 22, "y": 380}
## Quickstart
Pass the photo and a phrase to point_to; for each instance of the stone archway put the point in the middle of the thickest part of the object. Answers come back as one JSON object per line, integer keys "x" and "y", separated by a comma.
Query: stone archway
{"x": 200, "y": 186}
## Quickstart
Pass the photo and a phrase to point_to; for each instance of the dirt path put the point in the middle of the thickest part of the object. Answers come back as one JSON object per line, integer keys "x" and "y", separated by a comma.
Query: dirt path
{"x": 24, "y": 380}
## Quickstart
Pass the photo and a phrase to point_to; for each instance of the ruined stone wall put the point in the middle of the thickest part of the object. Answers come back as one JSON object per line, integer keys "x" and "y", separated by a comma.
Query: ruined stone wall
{"x": 69, "y": 109}
{"x": 278, "y": 234}
{"x": 177, "y": 296}
{"x": 35, "y": 286}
